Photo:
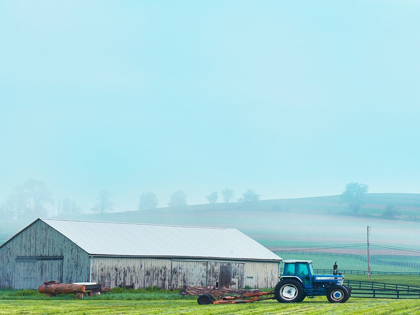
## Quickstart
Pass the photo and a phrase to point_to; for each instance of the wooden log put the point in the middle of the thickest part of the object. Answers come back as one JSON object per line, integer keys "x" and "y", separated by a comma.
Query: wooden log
{"x": 61, "y": 288}
{"x": 215, "y": 291}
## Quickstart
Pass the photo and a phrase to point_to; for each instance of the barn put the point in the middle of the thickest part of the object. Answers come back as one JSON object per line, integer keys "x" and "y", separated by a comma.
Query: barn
{"x": 142, "y": 255}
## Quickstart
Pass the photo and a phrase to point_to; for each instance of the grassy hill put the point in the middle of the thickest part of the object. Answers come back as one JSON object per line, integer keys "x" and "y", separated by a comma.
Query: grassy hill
{"x": 300, "y": 222}
{"x": 375, "y": 204}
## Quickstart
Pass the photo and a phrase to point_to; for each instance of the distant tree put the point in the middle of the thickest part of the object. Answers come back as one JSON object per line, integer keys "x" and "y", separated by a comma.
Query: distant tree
{"x": 212, "y": 198}
{"x": 69, "y": 207}
{"x": 148, "y": 201}
{"x": 178, "y": 199}
{"x": 65, "y": 206}
{"x": 30, "y": 199}
{"x": 354, "y": 195}
{"x": 227, "y": 194}
{"x": 104, "y": 202}
{"x": 391, "y": 212}
{"x": 249, "y": 195}
{"x": 75, "y": 209}
{"x": 58, "y": 207}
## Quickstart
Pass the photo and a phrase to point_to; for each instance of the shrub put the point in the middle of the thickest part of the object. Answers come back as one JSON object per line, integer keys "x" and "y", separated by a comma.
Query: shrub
{"x": 391, "y": 212}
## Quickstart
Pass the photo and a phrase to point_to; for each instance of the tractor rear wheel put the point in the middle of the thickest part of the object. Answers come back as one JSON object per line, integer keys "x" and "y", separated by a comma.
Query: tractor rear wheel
{"x": 289, "y": 291}
{"x": 338, "y": 294}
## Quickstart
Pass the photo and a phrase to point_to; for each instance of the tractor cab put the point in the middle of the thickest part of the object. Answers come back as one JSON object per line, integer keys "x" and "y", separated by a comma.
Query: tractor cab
{"x": 298, "y": 281}
{"x": 301, "y": 269}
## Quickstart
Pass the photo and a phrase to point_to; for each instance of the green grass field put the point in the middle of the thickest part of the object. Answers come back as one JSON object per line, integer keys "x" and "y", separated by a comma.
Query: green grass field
{"x": 156, "y": 301}
{"x": 396, "y": 279}
{"x": 172, "y": 303}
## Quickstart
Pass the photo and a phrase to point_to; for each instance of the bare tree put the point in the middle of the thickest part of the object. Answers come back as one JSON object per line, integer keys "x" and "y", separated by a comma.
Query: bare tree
{"x": 31, "y": 198}
{"x": 212, "y": 198}
{"x": 227, "y": 194}
{"x": 148, "y": 201}
{"x": 104, "y": 203}
{"x": 69, "y": 207}
{"x": 249, "y": 195}
{"x": 58, "y": 207}
{"x": 354, "y": 195}
{"x": 178, "y": 199}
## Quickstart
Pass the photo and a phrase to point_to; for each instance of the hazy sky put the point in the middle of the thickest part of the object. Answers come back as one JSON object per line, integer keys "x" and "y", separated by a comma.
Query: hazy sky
{"x": 290, "y": 98}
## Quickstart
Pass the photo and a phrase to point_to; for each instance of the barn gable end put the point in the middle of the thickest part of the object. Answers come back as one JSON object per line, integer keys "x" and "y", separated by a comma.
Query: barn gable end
{"x": 39, "y": 253}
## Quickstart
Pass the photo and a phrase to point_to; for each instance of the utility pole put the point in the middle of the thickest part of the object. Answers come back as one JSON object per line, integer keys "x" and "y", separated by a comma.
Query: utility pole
{"x": 368, "y": 254}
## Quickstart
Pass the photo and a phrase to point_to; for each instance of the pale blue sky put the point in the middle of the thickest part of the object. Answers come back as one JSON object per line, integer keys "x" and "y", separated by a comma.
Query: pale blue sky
{"x": 290, "y": 98}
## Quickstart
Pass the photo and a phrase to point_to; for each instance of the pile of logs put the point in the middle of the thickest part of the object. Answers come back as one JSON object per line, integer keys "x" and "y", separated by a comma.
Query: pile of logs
{"x": 216, "y": 292}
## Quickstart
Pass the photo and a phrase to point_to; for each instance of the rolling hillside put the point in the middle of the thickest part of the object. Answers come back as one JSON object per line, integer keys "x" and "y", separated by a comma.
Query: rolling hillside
{"x": 285, "y": 223}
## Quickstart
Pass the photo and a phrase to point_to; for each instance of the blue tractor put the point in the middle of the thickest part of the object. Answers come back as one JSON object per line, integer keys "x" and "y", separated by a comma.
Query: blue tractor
{"x": 299, "y": 281}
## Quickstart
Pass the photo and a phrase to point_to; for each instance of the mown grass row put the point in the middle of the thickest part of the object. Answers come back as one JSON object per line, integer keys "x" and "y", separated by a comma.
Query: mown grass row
{"x": 116, "y": 294}
{"x": 317, "y": 305}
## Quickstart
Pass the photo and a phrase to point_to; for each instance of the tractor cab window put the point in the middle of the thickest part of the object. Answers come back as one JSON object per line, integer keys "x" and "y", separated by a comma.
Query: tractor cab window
{"x": 303, "y": 272}
{"x": 311, "y": 269}
{"x": 289, "y": 269}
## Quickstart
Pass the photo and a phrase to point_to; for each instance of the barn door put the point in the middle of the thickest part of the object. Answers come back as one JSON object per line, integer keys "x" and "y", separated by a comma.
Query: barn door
{"x": 30, "y": 272}
{"x": 26, "y": 274}
{"x": 225, "y": 277}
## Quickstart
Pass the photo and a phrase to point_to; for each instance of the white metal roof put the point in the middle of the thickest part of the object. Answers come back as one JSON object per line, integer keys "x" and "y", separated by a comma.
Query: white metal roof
{"x": 131, "y": 239}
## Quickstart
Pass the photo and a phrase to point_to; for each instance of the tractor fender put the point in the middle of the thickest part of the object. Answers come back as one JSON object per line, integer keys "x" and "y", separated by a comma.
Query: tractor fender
{"x": 290, "y": 277}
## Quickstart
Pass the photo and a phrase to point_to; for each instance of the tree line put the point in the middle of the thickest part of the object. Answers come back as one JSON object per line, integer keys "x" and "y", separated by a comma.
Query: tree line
{"x": 178, "y": 199}
{"x": 32, "y": 199}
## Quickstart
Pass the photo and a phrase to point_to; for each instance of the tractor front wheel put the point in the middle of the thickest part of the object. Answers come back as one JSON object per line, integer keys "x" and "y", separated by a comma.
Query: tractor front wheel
{"x": 338, "y": 294}
{"x": 289, "y": 291}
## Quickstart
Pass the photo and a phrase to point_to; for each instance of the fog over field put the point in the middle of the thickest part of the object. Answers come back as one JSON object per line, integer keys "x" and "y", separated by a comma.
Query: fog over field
{"x": 175, "y": 108}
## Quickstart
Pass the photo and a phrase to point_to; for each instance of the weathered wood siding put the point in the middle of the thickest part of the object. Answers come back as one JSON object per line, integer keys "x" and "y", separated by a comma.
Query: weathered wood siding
{"x": 261, "y": 275}
{"x": 188, "y": 273}
{"x": 142, "y": 272}
{"x": 24, "y": 260}
{"x": 172, "y": 274}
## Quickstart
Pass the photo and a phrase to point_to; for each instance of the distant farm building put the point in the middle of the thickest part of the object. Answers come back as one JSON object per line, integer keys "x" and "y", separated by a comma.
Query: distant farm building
{"x": 145, "y": 255}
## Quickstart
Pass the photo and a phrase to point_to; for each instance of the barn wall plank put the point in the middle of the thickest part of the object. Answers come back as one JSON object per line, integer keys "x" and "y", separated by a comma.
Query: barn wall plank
{"x": 261, "y": 275}
{"x": 190, "y": 273}
{"x": 142, "y": 272}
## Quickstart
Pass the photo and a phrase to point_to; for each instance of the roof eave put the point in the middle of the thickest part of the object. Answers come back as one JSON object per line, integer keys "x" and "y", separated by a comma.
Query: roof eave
{"x": 188, "y": 257}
